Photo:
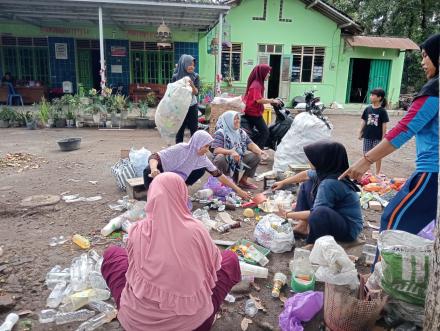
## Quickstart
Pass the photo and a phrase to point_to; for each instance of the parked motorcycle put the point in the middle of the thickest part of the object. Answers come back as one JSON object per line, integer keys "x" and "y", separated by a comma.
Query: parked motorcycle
{"x": 277, "y": 130}
{"x": 311, "y": 104}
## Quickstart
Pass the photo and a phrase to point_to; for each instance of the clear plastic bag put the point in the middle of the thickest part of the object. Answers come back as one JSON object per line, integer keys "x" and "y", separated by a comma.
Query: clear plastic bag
{"x": 139, "y": 160}
{"x": 274, "y": 233}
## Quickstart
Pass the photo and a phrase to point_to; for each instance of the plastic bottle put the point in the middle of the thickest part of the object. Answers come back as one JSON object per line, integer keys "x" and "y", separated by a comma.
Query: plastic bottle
{"x": 56, "y": 296}
{"x": 136, "y": 212}
{"x": 78, "y": 279}
{"x": 97, "y": 281}
{"x": 82, "y": 242}
{"x": 47, "y": 316}
{"x": 98, "y": 320}
{"x": 204, "y": 194}
{"x": 113, "y": 225}
{"x": 253, "y": 270}
{"x": 126, "y": 224}
{"x": 100, "y": 306}
{"x": 250, "y": 308}
{"x": 52, "y": 279}
{"x": 279, "y": 280}
{"x": 80, "y": 299}
{"x": 75, "y": 316}
{"x": 257, "y": 256}
{"x": 9, "y": 322}
{"x": 93, "y": 255}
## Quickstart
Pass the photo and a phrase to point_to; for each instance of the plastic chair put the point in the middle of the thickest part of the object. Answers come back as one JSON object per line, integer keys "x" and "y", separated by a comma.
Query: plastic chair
{"x": 12, "y": 94}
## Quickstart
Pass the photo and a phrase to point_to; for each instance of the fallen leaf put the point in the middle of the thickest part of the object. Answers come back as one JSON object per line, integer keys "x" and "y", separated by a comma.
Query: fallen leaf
{"x": 258, "y": 303}
{"x": 283, "y": 298}
{"x": 245, "y": 323}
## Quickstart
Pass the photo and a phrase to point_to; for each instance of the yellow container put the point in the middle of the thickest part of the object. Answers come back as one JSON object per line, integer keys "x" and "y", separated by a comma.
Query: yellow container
{"x": 267, "y": 114}
{"x": 82, "y": 242}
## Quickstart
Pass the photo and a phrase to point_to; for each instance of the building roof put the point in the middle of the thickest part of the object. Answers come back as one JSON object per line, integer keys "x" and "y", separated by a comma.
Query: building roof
{"x": 381, "y": 42}
{"x": 193, "y": 15}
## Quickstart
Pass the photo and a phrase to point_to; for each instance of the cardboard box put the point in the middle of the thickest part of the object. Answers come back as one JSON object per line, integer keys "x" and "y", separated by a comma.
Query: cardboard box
{"x": 375, "y": 205}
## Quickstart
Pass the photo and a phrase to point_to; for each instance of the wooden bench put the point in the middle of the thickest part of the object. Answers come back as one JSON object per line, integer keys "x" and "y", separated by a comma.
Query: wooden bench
{"x": 135, "y": 188}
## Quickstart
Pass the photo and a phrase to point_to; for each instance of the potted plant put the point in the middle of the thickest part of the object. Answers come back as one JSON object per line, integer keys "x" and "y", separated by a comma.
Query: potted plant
{"x": 118, "y": 106}
{"x": 31, "y": 120}
{"x": 7, "y": 116}
{"x": 44, "y": 113}
{"x": 146, "y": 120}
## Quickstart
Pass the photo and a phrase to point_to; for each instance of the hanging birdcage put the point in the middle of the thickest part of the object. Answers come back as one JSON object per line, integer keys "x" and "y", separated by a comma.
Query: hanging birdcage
{"x": 163, "y": 36}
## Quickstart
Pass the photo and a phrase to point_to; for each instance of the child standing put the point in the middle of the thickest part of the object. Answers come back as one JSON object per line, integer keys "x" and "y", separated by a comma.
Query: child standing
{"x": 374, "y": 122}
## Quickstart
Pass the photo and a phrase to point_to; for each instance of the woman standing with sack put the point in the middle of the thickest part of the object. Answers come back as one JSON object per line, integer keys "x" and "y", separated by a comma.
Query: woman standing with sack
{"x": 185, "y": 68}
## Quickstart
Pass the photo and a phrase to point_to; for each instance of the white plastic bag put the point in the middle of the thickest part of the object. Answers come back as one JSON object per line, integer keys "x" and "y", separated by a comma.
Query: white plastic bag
{"x": 274, "y": 233}
{"x": 173, "y": 108}
{"x": 305, "y": 129}
{"x": 234, "y": 102}
{"x": 335, "y": 267}
{"x": 139, "y": 160}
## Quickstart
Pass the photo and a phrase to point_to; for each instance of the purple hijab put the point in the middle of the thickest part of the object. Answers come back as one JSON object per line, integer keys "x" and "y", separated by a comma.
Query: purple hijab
{"x": 183, "y": 159}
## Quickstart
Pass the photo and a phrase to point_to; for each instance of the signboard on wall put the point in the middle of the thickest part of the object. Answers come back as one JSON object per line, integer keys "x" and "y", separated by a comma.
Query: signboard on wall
{"x": 120, "y": 51}
{"x": 116, "y": 69}
{"x": 61, "y": 51}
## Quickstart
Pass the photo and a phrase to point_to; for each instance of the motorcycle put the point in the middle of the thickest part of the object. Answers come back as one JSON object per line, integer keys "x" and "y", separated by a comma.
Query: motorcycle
{"x": 312, "y": 105}
{"x": 277, "y": 130}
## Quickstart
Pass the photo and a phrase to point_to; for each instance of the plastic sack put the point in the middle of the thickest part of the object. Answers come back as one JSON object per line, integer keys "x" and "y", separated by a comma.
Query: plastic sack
{"x": 398, "y": 311}
{"x": 173, "y": 108}
{"x": 275, "y": 233}
{"x": 335, "y": 267}
{"x": 123, "y": 170}
{"x": 428, "y": 232}
{"x": 217, "y": 188}
{"x": 235, "y": 102}
{"x": 405, "y": 264}
{"x": 305, "y": 129}
{"x": 139, "y": 160}
{"x": 300, "y": 308}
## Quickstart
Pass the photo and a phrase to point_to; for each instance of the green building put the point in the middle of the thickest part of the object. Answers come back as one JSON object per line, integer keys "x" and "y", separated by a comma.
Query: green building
{"x": 307, "y": 42}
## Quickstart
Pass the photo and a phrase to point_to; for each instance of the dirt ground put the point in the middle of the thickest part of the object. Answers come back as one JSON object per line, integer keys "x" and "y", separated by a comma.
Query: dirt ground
{"x": 26, "y": 232}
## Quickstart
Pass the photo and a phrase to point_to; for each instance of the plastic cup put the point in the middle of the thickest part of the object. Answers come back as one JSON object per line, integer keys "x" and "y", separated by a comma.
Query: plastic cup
{"x": 253, "y": 270}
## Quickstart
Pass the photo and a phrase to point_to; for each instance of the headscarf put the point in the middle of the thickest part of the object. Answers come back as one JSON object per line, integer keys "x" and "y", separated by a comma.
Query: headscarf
{"x": 184, "y": 62}
{"x": 432, "y": 47}
{"x": 257, "y": 77}
{"x": 172, "y": 258}
{"x": 330, "y": 161}
{"x": 183, "y": 158}
{"x": 233, "y": 138}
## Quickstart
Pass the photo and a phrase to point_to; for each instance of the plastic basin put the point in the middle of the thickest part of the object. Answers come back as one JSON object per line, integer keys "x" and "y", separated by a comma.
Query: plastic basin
{"x": 69, "y": 144}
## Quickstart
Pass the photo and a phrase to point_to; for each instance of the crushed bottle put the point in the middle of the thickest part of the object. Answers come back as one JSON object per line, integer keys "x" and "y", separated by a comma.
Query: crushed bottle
{"x": 98, "y": 320}
{"x": 75, "y": 316}
{"x": 56, "y": 296}
{"x": 9, "y": 322}
{"x": 47, "y": 316}
{"x": 250, "y": 308}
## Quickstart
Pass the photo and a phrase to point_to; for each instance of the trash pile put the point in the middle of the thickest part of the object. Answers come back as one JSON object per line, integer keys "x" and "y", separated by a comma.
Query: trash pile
{"x": 76, "y": 287}
{"x": 22, "y": 161}
{"x": 130, "y": 167}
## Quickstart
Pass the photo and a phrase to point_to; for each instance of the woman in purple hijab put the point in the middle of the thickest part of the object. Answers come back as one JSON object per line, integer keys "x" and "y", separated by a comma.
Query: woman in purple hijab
{"x": 189, "y": 161}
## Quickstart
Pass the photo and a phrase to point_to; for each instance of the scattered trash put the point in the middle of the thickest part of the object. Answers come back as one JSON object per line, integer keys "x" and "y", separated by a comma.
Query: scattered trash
{"x": 375, "y": 234}
{"x": 77, "y": 198}
{"x": 250, "y": 252}
{"x": 258, "y": 303}
{"x": 9, "y": 322}
{"x": 253, "y": 270}
{"x": 223, "y": 242}
{"x": 82, "y": 242}
{"x": 74, "y": 180}
{"x": 250, "y": 308}
{"x": 73, "y": 316}
{"x": 372, "y": 226}
{"x": 375, "y": 205}
{"x": 303, "y": 275}
{"x": 204, "y": 194}
{"x": 300, "y": 308}
{"x": 22, "y": 161}
{"x": 47, "y": 316}
{"x": 217, "y": 188}
{"x": 275, "y": 233}
{"x": 40, "y": 200}
{"x": 370, "y": 253}
{"x": 245, "y": 323}
{"x": 249, "y": 213}
{"x": 56, "y": 241}
{"x": 279, "y": 280}
{"x": 230, "y": 298}
{"x": 93, "y": 182}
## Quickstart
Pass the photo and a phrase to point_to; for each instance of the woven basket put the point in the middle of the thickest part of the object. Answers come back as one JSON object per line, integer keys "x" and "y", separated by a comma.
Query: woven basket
{"x": 343, "y": 311}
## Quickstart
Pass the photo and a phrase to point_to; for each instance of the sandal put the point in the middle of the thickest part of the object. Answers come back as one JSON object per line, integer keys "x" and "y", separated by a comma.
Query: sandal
{"x": 248, "y": 186}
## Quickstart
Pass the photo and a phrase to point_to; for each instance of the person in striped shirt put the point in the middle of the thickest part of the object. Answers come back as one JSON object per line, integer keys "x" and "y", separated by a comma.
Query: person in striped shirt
{"x": 415, "y": 205}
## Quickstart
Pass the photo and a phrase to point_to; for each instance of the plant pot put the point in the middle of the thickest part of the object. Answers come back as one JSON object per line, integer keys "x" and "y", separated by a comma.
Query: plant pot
{"x": 145, "y": 123}
{"x": 108, "y": 124}
{"x": 4, "y": 123}
{"x": 116, "y": 119}
{"x": 50, "y": 123}
{"x": 79, "y": 124}
{"x": 70, "y": 123}
{"x": 32, "y": 125}
{"x": 69, "y": 144}
{"x": 60, "y": 123}
{"x": 96, "y": 118}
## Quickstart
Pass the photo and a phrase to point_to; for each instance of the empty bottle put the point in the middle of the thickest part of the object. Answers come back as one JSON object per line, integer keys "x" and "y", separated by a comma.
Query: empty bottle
{"x": 56, "y": 296}
{"x": 67, "y": 292}
{"x": 79, "y": 273}
{"x": 75, "y": 316}
{"x": 113, "y": 225}
{"x": 126, "y": 225}
{"x": 98, "y": 320}
{"x": 80, "y": 299}
{"x": 47, "y": 316}
{"x": 101, "y": 306}
{"x": 93, "y": 255}
{"x": 250, "y": 308}
{"x": 279, "y": 280}
{"x": 97, "y": 281}
{"x": 9, "y": 322}
{"x": 82, "y": 242}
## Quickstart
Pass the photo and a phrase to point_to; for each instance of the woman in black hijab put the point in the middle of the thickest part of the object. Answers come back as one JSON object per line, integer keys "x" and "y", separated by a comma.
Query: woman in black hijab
{"x": 325, "y": 205}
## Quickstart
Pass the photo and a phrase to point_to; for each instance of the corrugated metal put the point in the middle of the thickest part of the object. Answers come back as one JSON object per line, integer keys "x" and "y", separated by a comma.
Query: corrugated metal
{"x": 381, "y": 42}
{"x": 379, "y": 75}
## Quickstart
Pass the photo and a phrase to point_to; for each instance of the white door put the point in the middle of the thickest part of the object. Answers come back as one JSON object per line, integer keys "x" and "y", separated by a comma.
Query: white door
{"x": 285, "y": 74}
{"x": 264, "y": 59}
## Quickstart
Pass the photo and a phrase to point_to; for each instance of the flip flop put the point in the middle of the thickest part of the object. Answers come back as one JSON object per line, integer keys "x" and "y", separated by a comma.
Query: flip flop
{"x": 248, "y": 186}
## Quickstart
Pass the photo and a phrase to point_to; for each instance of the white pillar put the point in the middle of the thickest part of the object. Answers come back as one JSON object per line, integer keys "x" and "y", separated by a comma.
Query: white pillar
{"x": 101, "y": 50}
{"x": 219, "y": 56}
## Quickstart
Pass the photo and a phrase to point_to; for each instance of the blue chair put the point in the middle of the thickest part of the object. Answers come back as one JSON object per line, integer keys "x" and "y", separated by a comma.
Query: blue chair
{"x": 12, "y": 94}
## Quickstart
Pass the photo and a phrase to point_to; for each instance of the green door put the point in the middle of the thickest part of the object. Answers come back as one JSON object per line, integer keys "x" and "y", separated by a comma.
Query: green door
{"x": 85, "y": 68}
{"x": 349, "y": 81}
{"x": 379, "y": 75}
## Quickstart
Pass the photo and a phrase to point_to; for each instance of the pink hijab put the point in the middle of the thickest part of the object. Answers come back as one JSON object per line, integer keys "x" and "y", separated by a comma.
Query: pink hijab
{"x": 172, "y": 258}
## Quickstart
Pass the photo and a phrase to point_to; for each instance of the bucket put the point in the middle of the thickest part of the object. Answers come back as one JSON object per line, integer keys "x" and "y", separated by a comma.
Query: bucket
{"x": 299, "y": 284}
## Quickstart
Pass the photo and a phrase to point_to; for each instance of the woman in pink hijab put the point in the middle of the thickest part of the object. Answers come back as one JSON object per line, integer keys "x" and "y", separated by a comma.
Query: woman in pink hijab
{"x": 172, "y": 276}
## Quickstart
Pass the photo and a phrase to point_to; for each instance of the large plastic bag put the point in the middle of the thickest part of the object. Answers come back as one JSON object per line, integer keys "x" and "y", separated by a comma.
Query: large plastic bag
{"x": 335, "y": 267}
{"x": 234, "y": 102}
{"x": 405, "y": 264}
{"x": 173, "y": 108}
{"x": 123, "y": 170}
{"x": 275, "y": 233}
{"x": 305, "y": 129}
{"x": 217, "y": 188}
{"x": 139, "y": 160}
{"x": 300, "y": 308}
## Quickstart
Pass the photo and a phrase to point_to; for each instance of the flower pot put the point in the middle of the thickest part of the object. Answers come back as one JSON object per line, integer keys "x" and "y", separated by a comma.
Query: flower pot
{"x": 69, "y": 144}
{"x": 50, "y": 123}
{"x": 70, "y": 123}
{"x": 116, "y": 119}
{"x": 108, "y": 124}
{"x": 96, "y": 118}
{"x": 145, "y": 123}
{"x": 4, "y": 123}
{"x": 31, "y": 125}
{"x": 79, "y": 124}
{"x": 60, "y": 123}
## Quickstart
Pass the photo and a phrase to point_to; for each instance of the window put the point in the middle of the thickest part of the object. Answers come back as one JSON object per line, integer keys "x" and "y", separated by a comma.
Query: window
{"x": 150, "y": 64}
{"x": 231, "y": 62}
{"x": 270, "y": 48}
{"x": 307, "y": 64}
{"x": 25, "y": 58}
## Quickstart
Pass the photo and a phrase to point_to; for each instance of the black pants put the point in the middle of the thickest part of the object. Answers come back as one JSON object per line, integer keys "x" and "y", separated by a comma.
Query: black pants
{"x": 191, "y": 121}
{"x": 263, "y": 130}
{"x": 193, "y": 177}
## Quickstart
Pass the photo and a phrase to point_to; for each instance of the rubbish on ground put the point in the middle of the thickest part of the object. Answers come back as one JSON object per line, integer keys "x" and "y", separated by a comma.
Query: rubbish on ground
{"x": 82, "y": 242}
{"x": 405, "y": 260}
{"x": 98, "y": 320}
{"x": 230, "y": 298}
{"x": 9, "y": 322}
{"x": 249, "y": 213}
{"x": 260, "y": 177}
{"x": 113, "y": 225}
{"x": 407, "y": 326}
{"x": 375, "y": 205}
{"x": 302, "y": 307}
{"x": 56, "y": 241}
{"x": 259, "y": 198}
{"x": 47, "y": 316}
{"x": 77, "y": 198}
{"x": 204, "y": 194}
{"x": 40, "y": 200}
{"x": 375, "y": 234}
{"x": 372, "y": 226}
{"x": 250, "y": 308}
{"x": 139, "y": 160}
{"x": 249, "y": 252}
{"x": 74, "y": 180}
{"x": 428, "y": 232}
{"x": 274, "y": 233}
{"x": 22, "y": 161}
{"x": 253, "y": 270}
{"x": 280, "y": 200}
{"x": 335, "y": 267}
{"x": 55, "y": 297}
{"x": 79, "y": 299}
{"x": 116, "y": 206}
{"x": 398, "y": 311}
{"x": 93, "y": 182}
{"x": 122, "y": 171}
{"x": 203, "y": 216}
{"x": 279, "y": 280}
{"x": 217, "y": 188}
{"x": 258, "y": 303}
{"x": 225, "y": 218}
{"x": 245, "y": 323}
{"x": 269, "y": 181}
{"x": 73, "y": 316}
{"x": 303, "y": 275}
{"x": 370, "y": 253}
